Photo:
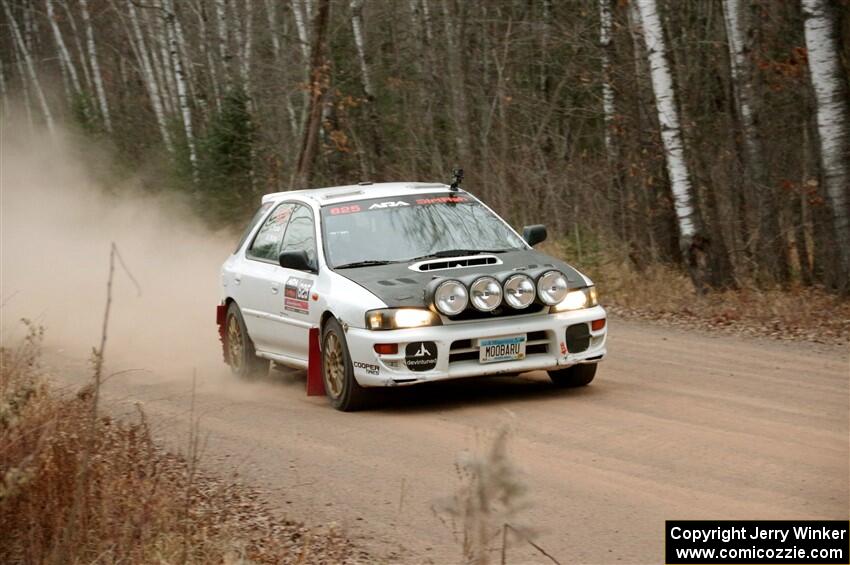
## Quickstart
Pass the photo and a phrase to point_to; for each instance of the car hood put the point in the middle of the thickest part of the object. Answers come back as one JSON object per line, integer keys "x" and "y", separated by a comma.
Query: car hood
{"x": 399, "y": 286}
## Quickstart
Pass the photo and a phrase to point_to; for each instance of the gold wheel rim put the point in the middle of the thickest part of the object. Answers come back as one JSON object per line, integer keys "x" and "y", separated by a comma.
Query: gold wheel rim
{"x": 234, "y": 342}
{"x": 333, "y": 365}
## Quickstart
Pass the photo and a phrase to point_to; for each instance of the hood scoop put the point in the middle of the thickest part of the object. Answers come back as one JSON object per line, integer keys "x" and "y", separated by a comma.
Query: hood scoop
{"x": 455, "y": 263}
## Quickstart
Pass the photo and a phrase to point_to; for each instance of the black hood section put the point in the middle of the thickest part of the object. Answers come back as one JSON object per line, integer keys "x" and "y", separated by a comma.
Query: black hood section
{"x": 398, "y": 286}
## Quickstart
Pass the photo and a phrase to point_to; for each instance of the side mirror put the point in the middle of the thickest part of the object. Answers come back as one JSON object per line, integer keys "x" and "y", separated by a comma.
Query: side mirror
{"x": 534, "y": 234}
{"x": 297, "y": 260}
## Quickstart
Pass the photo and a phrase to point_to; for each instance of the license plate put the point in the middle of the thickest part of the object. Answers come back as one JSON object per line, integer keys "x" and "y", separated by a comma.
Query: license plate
{"x": 498, "y": 349}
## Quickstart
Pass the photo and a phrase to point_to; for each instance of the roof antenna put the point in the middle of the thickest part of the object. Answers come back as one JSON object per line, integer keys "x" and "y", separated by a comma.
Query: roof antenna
{"x": 457, "y": 178}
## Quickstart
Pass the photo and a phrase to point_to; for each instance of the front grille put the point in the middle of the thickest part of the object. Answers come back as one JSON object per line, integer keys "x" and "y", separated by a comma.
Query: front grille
{"x": 462, "y": 350}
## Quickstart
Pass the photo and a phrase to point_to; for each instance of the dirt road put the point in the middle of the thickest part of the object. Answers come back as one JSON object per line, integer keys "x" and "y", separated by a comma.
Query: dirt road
{"x": 677, "y": 425}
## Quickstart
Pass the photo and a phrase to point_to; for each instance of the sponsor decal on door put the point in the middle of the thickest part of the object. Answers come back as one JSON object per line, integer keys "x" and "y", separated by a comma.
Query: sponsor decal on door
{"x": 296, "y": 295}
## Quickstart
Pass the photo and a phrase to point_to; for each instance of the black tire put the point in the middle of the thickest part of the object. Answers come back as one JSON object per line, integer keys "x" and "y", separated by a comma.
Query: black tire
{"x": 241, "y": 355}
{"x": 341, "y": 387}
{"x": 575, "y": 376}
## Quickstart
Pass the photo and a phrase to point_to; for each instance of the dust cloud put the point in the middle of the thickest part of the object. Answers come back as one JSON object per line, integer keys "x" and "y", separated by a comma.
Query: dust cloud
{"x": 57, "y": 223}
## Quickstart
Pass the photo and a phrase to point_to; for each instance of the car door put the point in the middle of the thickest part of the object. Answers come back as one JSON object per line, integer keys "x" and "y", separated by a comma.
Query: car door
{"x": 298, "y": 309}
{"x": 261, "y": 292}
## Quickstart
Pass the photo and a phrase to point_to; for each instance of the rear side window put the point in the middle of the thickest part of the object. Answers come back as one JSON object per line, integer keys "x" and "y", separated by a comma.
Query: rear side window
{"x": 266, "y": 244}
{"x": 257, "y": 215}
{"x": 301, "y": 233}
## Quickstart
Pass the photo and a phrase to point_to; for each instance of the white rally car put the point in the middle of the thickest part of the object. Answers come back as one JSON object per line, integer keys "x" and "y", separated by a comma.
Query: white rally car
{"x": 406, "y": 283}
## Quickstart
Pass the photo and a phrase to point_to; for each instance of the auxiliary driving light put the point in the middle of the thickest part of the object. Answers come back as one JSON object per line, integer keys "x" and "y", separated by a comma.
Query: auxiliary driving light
{"x": 552, "y": 287}
{"x": 519, "y": 291}
{"x": 451, "y": 297}
{"x": 486, "y": 294}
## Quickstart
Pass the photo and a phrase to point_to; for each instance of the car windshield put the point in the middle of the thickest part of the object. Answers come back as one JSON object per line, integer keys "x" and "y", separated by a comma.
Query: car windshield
{"x": 404, "y": 228}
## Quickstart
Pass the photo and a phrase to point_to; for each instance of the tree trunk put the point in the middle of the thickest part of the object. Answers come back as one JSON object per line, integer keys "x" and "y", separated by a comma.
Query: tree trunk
{"x": 319, "y": 83}
{"x": 180, "y": 81}
{"x": 148, "y": 77}
{"x": 694, "y": 244}
{"x": 64, "y": 56}
{"x": 830, "y": 88}
{"x": 455, "y": 25}
{"x": 30, "y": 68}
{"x": 95, "y": 67}
{"x": 223, "y": 39}
{"x": 772, "y": 256}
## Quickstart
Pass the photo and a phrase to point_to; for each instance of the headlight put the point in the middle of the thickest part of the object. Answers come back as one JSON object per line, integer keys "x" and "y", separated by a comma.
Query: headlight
{"x": 576, "y": 300}
{"x": 552, "y": 287}
{"x": 486, "y": 294}
{"x": 392, "y": 319}
{"x": 451, "y": 298}
{"x": 519, "y": 291}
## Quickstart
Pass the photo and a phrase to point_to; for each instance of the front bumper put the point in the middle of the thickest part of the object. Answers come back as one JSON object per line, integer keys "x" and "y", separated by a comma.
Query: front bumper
{"x": 457, "y": 353}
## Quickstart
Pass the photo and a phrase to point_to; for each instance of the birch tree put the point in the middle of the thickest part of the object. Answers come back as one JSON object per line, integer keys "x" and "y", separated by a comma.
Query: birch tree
{"x": 148, "y": 76}
{"x": 830, "y": 87}
{"x": 182, "y": 89}
{"x": 62, "y": 49}
{"x": 319, "y": 83}
{"x": 27, "y": 61}
{"x": 97, "y": 77}
{"x": 771, "y": 243}
{"x": 684, "y": 200}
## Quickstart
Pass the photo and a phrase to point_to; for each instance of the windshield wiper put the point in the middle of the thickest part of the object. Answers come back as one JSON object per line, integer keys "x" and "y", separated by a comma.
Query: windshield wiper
{"x": 457, "y": 253}
{"x": 368, "y": 263}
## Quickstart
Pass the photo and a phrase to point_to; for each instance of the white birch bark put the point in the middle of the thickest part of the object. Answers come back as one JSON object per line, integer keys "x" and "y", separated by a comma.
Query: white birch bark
{"x": 607, "y": 88}
{"x": 64, "y": 55}
{"x": 30, "y": 68}
{"x": 301, "y": 29}
{"x": 180, "y": 80}
{"x": 4, "y": 96}
{"x": 223, "y": 39}
{"x": 668, "y": 117}
{"x": 830, "y": 87}
{"x": 148, "y": 77}
{"x": 271, "y": 15}
{"x": 247, "y": 43}
{"x": 97, "y": 77}
{"x": 157, "y": 22}
{"x": 359, "y": 42}
{"x": 75, "y": 34}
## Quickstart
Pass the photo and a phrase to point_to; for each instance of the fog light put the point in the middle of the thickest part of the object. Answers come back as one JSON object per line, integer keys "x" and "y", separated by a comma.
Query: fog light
{"x": 386, "y": 348}
{"x": 519, "y": 291}
{"x": 486, "y": 294}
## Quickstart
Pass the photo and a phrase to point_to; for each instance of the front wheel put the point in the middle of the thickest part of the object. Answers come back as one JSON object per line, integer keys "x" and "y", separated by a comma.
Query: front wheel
{"x": 575, "y": 376}
{"x": 337, "y": 371}
{"x": 241, "y": 355}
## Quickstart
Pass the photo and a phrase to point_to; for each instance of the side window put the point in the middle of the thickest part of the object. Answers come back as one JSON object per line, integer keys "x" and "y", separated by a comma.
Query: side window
{"x": 266, "y": 244}
{"x": 301, "y": 233}
{"x": 259, "y": 214}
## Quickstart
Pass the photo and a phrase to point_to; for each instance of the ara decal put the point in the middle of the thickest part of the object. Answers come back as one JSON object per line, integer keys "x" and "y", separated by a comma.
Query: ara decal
{"x": 296, "y": 295}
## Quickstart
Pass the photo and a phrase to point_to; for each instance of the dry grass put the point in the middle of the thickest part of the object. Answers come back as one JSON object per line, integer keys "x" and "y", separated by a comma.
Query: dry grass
{"x": 137, "y": 504}
{"x": 659, "y": 292}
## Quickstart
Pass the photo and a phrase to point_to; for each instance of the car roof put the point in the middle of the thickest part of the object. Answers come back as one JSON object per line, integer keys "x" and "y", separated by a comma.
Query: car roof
{"x": 361, "y": 191}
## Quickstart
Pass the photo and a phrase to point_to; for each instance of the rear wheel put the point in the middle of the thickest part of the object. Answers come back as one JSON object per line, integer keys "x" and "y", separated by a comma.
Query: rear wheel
{"x": 337, "y": 371}
{"x": 575, "y": 376}
{"x": 241, "y": 354}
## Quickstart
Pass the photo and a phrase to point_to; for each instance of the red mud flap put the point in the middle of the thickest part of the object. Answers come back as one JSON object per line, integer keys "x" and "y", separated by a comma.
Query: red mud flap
{"x": 315, "y": 383}
{"x": 220, "y": 319}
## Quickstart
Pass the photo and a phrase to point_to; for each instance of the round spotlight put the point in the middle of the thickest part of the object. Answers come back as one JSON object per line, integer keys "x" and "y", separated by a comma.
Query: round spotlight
{"x": 451, "y": 298}
{"x": 486, "y": 294}
{"x": 552, "y": 287}
{"x": 519, "y": 291}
